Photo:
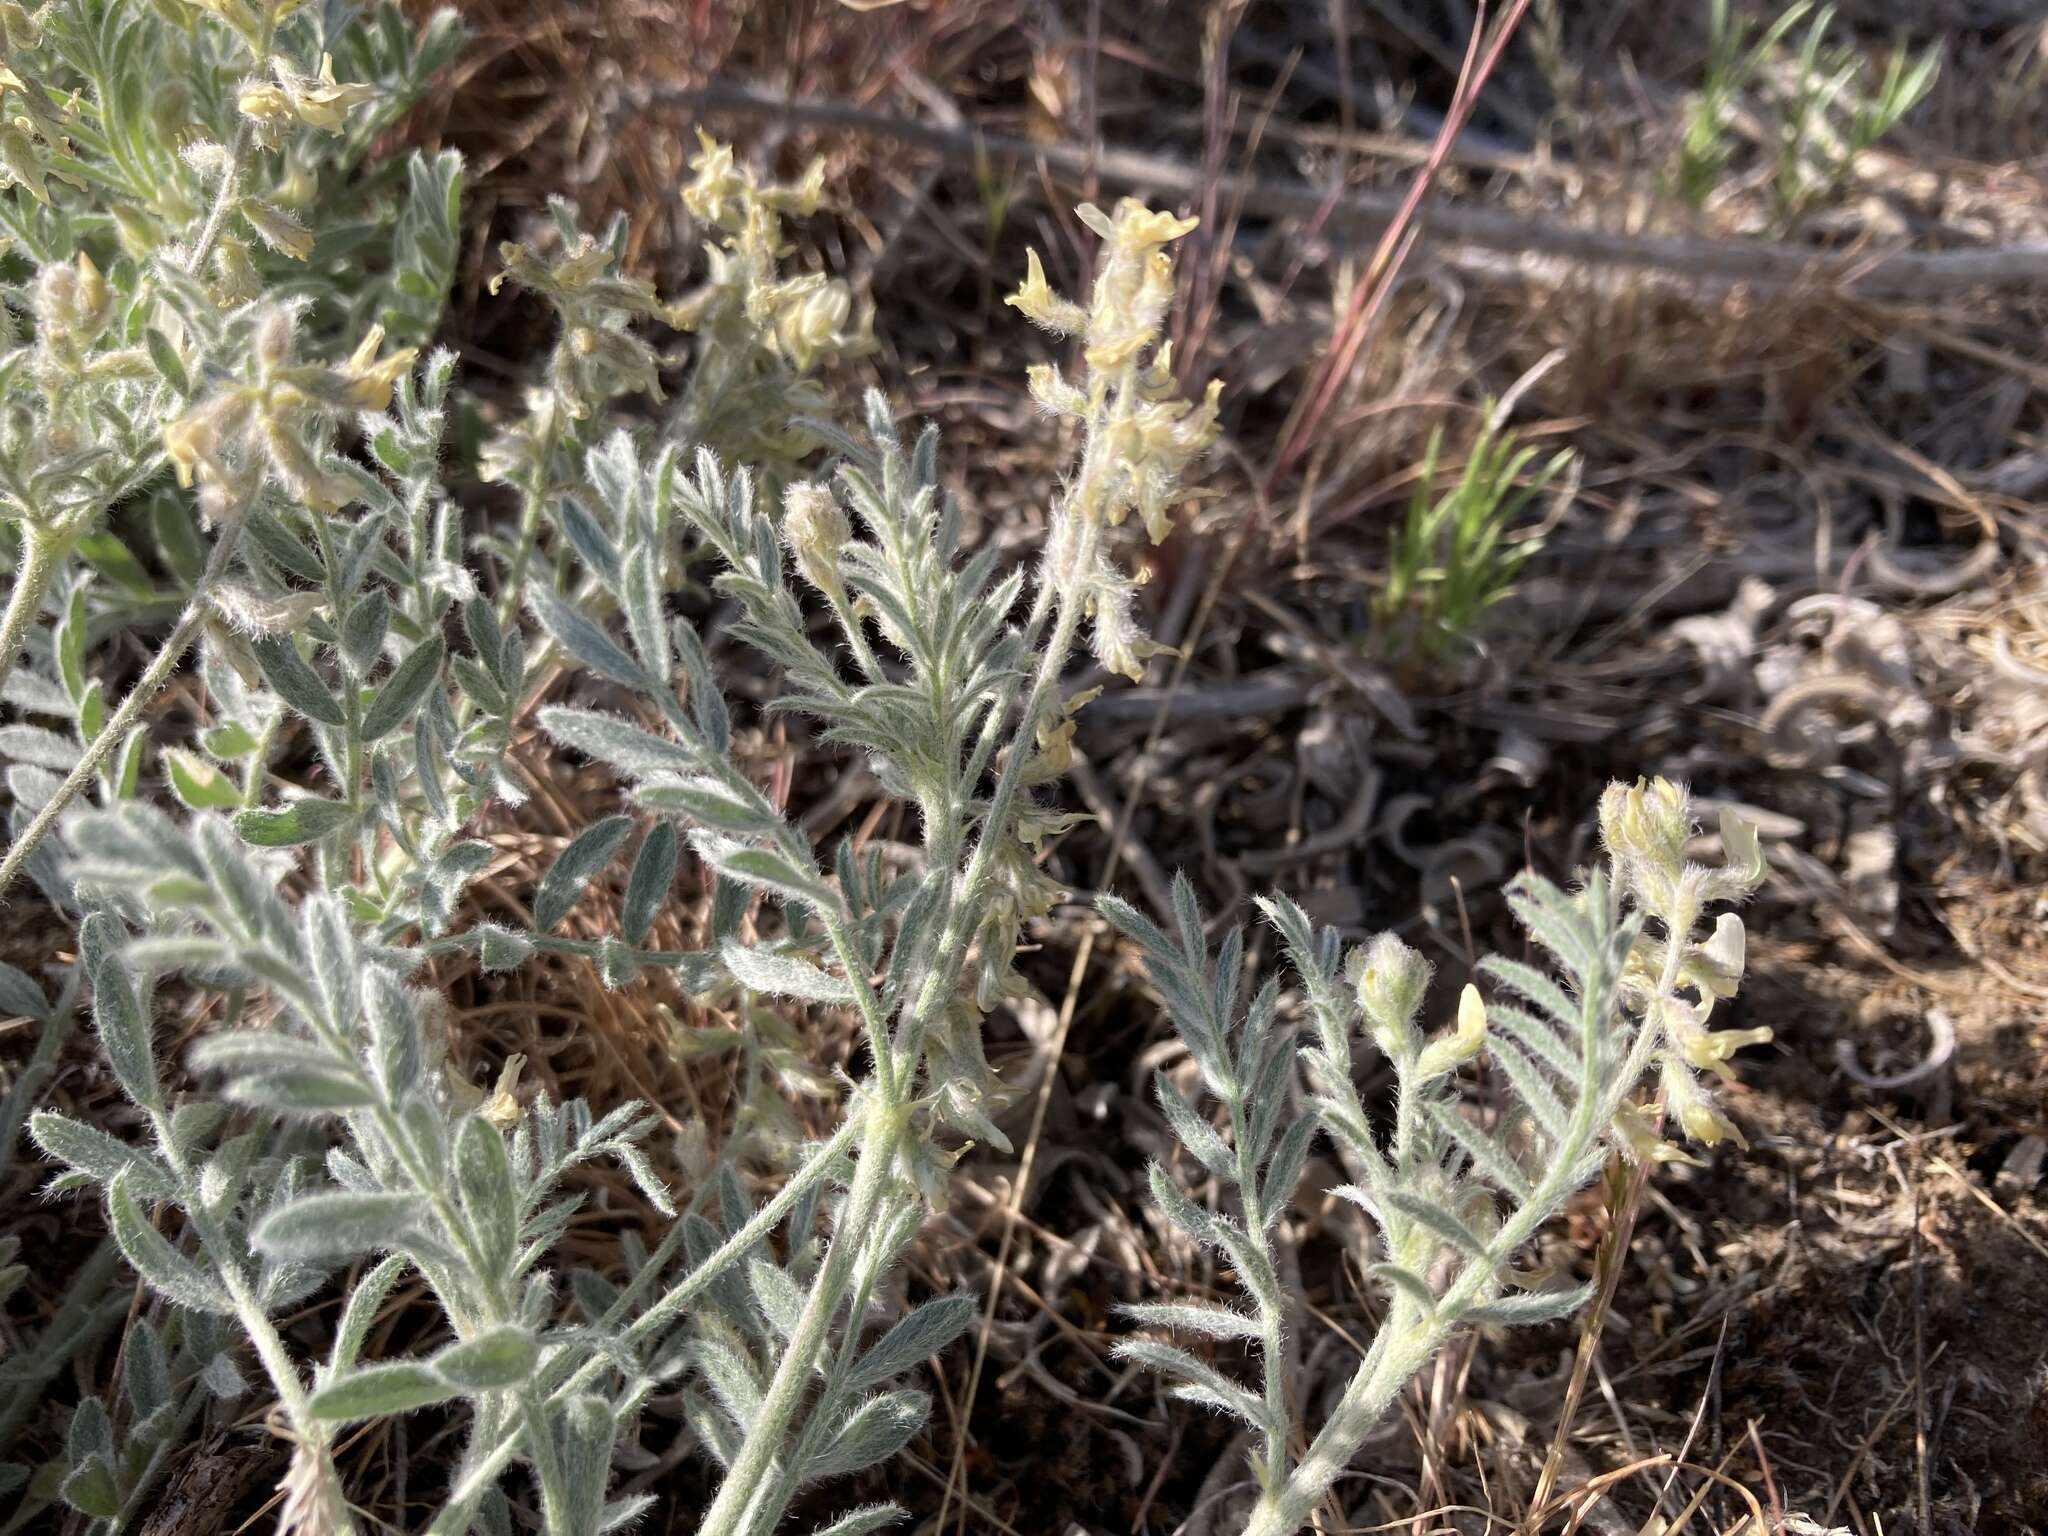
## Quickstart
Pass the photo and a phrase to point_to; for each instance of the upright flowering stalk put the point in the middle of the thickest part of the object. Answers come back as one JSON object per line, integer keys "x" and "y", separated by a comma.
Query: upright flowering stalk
{"x": 1139, "y": 435}
{"x": 1673, "y": 982}
{"x": 1453, "y": 1194}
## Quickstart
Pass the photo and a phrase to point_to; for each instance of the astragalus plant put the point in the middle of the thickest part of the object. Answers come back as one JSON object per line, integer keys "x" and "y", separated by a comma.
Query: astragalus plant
{"x": 203, "y": 261}
{"x": 203, "y": 364}
{"x": 324, "y": 1138}
{"x": 1453, "y": 1194}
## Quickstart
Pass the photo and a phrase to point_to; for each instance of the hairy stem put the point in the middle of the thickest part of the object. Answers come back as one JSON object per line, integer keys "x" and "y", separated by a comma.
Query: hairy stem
{"x": 42, "y": 552}
{"x": 146, "y": 688}
{"x": 769, "y": 1432}
{"x": 972, "y": 893}
{"x": 454, "y": 1517}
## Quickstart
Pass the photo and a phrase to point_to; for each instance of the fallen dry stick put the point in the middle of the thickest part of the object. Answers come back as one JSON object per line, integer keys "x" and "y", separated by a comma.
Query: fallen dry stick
{"x": 1478, "y": 238}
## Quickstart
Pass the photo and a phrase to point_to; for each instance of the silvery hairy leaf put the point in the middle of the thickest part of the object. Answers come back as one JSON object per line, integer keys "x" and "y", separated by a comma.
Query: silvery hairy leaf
{"x": 295, "y": 682}
{"x": 1398, "y": 1277}
{"x": 585, "y": 1430}
{"x": 619, "y": 743}
{"x": 919, "y": 1334}
{"x": 292, "y": 824}
{"x": 707, "y": 801}
{"x": 376, "y": 1390}
{"x": 759, "y": 868}
{"x": 763, "y": 970}
{"x": 1210, "y": 1322}
{"x": 575, "y": 867}
{"x": 1530, "y": 1307}
{"x": 583, "y": 640}
{"x": 336, "y": 1225}
{"x": 645, "y": 622}
{"x": 863, "y": 1521}
{"x": 99, "y": 1156}
{"x": 490, "y": 1199}
{"x": 20, "y": 997}
{"x": 394, "y": 1028}
{"x": 654, "y": 870}
{"x": 117, "y": 1012}
{"x": 873, "y": 1432}
{"x": 1192, "y": 1131}
{"x": 1195, "y": 1380}
{"x": 498, "y": 1357}
{"x": 778, "y": 1297}
{"x": 400, "y": 693}
{"x": 145, "y": 1374}
{"x": 590, "y": 541}
{"x": 162, "y": 1267}
{"x": 363, "y": 629}
{"x": 360, "y": 1313}
{"x": 1439, "y": 1220}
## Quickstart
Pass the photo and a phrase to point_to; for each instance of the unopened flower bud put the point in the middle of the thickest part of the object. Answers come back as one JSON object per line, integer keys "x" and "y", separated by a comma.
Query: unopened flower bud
{"x": 1392, "y": 980}
{"x": 1648, "y": 821}
{"x": 1709, "y": 1127}
{"x": 279, "y": 230}
{"x": 1462, "y": 1043}
{"x": 816, "y": 530}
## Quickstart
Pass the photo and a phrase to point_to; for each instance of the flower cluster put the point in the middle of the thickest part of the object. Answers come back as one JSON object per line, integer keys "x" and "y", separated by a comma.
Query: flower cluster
{"x": 1673, "y": 982}
{"x": 1139, "y": 433}
{"x": 745, "y": 301}
{"x": 279, "y": 418}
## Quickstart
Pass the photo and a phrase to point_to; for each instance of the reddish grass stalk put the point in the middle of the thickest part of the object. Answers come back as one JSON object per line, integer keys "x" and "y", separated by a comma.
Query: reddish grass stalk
{"x": 1368, "y": 297}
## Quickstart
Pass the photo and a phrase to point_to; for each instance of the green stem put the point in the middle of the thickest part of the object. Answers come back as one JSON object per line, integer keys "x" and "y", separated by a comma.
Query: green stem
{"x": 224, "y": 199}
{"x": 159, "y": 671}
{"x": 269, "y": 1345}
{"x": 767, "y": 1434}
{"x": 454, "y": 1517}
{"x": 972, "y": 896}
{"x": 1272, "y": 1321}
{"x": 42, "y": 552}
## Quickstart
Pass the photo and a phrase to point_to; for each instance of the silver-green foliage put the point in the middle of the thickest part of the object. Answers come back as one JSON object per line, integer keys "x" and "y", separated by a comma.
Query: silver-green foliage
{"x": 169, "y": 305}
{"x": 1452, "y": 1200}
